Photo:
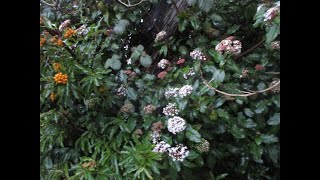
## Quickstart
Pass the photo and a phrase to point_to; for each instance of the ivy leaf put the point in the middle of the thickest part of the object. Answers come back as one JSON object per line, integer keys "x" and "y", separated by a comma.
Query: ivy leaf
{"x": 248, "y": 112}
{"x": 272, "y": 32}
{"x": 223, "y": 114}
{"x": 116, "y": 64}
{"x": 146, "y": 60}
{"x": 269, "y": 139}
{"x": 205, "y": 5}
{"x": 132, "y": 94}
{"x": 193, "y": 135}
{"x": 256, "y": 152}
{"x": 237, "y": 132}
{"x": 121, "y": 26}
{"x": 233, "y": 29}
{"x": 274, "y": 120}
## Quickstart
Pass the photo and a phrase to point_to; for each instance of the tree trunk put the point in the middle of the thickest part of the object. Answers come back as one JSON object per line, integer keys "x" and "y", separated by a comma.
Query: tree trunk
{"x": 161, "y": 17}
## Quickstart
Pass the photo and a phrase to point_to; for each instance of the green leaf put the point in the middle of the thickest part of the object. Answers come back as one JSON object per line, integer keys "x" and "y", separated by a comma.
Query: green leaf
{"x": 195, "y": 22}
{"x": 182, "y": 25}
{"x": 182, "y": 103}
{"x": 237, "y": 132}
{"x": 140, "y": 48}
{"x": 248, "y": 112}
{"x": 175, "y": 165}
{"x": 116, "y": 64}
{"x": 193, "y": 135}
{"x": 233, "y": 29}
{"x": 223, "y": 114}
{"x": 272, "y": 32}
{"x": 269, "y": 139}
{"x": 132, "y": 94}
{"x": 249, "y": 124}
{"x": 274, "y": 120}
{"x": 221, "y": 176}
{"x": 121, "y": 26}
{"x": 131, "y": 124}
{"x": 205, "y": 5}
{"x": 256, "y": 152}
{"x": 164, "y": 50}
{"x": 48, "y": 162}
{"x": 219, "y": 102}
{"x": 183, "y": 50}
{"x": 146, "y": 60}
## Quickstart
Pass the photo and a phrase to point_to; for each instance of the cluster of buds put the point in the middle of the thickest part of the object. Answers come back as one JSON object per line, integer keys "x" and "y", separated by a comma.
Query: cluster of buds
{"x": 157, "y": 126}
{"x": 70, "y": 32}
{"x": 64, "y": 25}
{"x": 56, "y": 41}
{"x": 149, "y": 109}
{"x": 203, "y": 146}
{"x": 160, "y": 36}
{"x": 60, "y": 78}
{"x": 185, "y": 91}
{"x": 91, "y": 103}
{"x": 52, "y": 97}
{"x": 275, "y": 45}
{"x": 229, "y": 46}
{"x": 171, "y": 92}
{"x": 198, "y": 55}
{"x": 56, "y": 66}
{"x": 176, "y": 124}
{"x": 271, "y": 13}
{"x": 170, "y": 110}
{"x": 138, "y": 132}
{"x": 178, "y": 153}
{"x": 89, "y": 165}
{"x": 164, "y": 63}
{"x": 128, "y": 107}
{"x": 161, "y": 147}
{"x": 162, "y": 74}
{"x": 42, "y": 41}
{"x": 82, "y": 30}
{"x": 259, "y": 67}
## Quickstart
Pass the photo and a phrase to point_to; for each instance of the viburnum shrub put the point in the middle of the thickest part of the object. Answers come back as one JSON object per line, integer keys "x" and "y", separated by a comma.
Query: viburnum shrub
{"x": 151, "y": 89}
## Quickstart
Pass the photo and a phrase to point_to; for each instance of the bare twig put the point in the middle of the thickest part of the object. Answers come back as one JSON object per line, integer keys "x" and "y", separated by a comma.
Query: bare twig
{"x": 272, "y": 72}
{"x": 175, "y": 5}
{"x": 249, "y": 50}
{"x": 245, "y": 94}
{"x": 129, "y": 3}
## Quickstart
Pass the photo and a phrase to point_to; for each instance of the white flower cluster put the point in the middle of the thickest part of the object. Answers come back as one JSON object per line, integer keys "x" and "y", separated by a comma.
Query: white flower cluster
{"x": 64, "y": 25}
{"x": 161, "y": 35}
{"x": 176, "y": 124}
{"x": 230, "y": 46}
{"x": 171, "y": 92}
{"x": 190, "y": 73}
{"x": 197, "y": 54}
{"x": 161, "y": 147}
{"x": 185, "y": 90}
{"x": 204, "y": 146}
{"x": 155, "y": 137}
{"x": 170, "y": 110}
{"x": 121, "y": 91}
{"x": 82, "y": 30}
{"x": 272, "y": 12}
{"x": 178, "y": 153}
{"x": 164, "y": 63}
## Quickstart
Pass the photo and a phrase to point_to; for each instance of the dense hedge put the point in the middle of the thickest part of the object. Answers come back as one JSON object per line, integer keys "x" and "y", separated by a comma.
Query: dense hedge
{"x": 207, "y": 106}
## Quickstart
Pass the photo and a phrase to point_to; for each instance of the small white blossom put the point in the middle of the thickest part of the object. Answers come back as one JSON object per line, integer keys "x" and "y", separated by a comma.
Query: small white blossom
{"x": 172, "y": 92}
{"x": 155, "y": 137}
{"x": 272, "y": 12}
{"x": 170, "y": 110}
{"x": 190, "y": 73}
{"x": 178, "y": 153}
{"x": 198, "y": 55}
{"x": 164, "y": 63}
{"x": 176, "y": 124}
{"x": 229, "y": 46}
{"x": 64, "y": 25}
{"x": 161, "y": 147}
{"x": 129, "y": 61}
{"x": 185, "y": 90}
{"x": 160, "y": 36}
{"x": 275, "y": 45}
{"x": 121, "y": 91}
{"x": 82, "y": 30}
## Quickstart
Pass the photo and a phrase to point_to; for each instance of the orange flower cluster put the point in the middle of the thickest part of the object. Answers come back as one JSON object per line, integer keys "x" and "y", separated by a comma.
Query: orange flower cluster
{"x": 56, "y": 66}
{"x": 70, "y": 32}
{"x": 52, "y": 97}
{"x": 56, "y": 41}
{"x": 60, "y": 78}
{"x": 42, "y": 41}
